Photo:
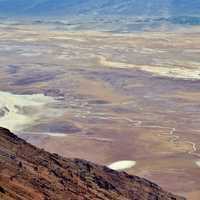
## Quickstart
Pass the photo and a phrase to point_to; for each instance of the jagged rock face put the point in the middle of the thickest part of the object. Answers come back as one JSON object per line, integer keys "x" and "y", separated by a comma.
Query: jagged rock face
{"x": 27, "y": 173}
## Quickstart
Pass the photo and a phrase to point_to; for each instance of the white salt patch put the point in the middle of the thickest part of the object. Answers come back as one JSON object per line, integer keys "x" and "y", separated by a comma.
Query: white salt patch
{"x": 198, "y": 163}
{"x": 56, "y": 134}
{"x": 122, "y": 165}
{"x": 30, "y": 54}
{"x": 170, "y": 71}
{"x": 14, "y": 117}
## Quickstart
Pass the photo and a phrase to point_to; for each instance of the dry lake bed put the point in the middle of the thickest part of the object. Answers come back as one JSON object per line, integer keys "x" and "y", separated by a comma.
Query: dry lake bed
{"x": 129, "y": 101}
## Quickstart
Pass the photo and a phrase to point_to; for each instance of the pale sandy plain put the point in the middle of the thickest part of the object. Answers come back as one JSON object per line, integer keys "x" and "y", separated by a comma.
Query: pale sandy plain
{"x": 128, "y": 101}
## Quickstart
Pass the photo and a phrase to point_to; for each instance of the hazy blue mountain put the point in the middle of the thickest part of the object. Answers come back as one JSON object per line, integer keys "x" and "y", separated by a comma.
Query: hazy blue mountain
{"x": 100, "y": 7}
{"x": 111, "y": 15}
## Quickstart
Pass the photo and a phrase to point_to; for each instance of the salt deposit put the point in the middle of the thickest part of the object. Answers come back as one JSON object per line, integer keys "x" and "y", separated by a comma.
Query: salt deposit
{"x": 13, "y": 108}
{"x": 122, "y": 165}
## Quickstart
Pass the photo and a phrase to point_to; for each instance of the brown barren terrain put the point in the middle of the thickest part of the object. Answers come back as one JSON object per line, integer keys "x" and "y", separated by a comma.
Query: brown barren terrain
{"x": 107, "y": 97}
{"x": 27, "y": 172}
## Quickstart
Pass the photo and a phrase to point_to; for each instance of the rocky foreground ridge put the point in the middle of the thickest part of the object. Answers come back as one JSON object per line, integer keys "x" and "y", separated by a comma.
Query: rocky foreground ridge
{"x": 29, "y": 173}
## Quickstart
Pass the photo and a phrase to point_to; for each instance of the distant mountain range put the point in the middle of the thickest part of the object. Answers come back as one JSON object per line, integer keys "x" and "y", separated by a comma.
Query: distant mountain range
{"x": 104, "y": 15}
{"x": 56, "y": 8}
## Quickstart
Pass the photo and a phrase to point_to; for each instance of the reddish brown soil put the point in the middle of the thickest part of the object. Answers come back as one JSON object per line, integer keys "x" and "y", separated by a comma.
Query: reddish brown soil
{"x": 27, "y": 173}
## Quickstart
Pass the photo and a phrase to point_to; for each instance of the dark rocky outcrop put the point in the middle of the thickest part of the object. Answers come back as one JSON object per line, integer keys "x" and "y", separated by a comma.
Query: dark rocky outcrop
{"x": 27, "y": 173}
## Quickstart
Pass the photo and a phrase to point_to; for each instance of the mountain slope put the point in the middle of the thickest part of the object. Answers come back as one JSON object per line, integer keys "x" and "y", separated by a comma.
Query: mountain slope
{"x": 27, "y": 173}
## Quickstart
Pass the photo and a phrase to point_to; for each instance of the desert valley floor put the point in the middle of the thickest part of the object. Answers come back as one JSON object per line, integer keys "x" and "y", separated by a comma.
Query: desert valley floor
{"x": 107, "y": 97}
